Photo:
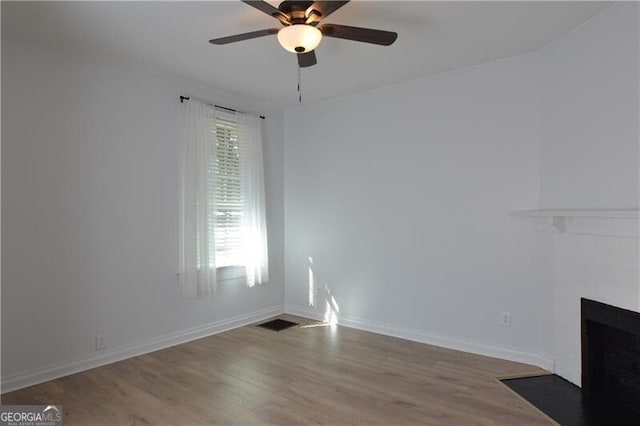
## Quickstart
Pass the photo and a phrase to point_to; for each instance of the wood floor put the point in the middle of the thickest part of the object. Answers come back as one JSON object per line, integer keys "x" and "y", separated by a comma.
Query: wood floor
{"x": 310, "y": 374}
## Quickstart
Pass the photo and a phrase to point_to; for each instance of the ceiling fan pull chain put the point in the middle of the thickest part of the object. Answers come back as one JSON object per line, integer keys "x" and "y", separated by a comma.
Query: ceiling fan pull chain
{"x": 299, "y": 84}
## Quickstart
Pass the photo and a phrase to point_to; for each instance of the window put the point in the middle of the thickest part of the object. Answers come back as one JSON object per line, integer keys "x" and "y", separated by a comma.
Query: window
{"x": 222, "y": 208}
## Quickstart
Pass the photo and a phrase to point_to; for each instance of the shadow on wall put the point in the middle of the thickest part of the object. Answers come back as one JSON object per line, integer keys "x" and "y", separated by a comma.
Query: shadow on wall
{"x": 320, "y": 296}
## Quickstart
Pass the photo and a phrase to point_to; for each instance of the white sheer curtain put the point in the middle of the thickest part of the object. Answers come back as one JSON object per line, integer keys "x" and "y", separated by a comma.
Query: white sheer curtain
{"x": 196, "y": 245}
{"x": 254, "y": 227}
{"x": 198, "y": 195}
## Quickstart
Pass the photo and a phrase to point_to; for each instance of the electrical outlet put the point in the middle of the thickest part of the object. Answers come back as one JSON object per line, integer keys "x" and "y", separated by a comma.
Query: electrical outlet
{"x": 505, "y": 319}
{"x": 100, "y": 341}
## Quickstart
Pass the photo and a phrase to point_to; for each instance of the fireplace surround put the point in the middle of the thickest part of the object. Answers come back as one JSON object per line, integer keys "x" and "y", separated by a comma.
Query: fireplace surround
{"x": 611, "y": 360}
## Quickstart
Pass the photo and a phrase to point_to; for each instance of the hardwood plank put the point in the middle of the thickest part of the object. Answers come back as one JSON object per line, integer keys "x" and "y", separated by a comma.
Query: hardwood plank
{"x": 308, "y": 374}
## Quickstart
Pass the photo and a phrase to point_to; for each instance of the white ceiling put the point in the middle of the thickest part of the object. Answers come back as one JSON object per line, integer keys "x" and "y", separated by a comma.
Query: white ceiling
{"x": 433, "y": 37}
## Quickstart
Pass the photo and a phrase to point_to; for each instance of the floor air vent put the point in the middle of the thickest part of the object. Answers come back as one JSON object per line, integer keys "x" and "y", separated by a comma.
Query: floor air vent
{"x": 277, "y": 324}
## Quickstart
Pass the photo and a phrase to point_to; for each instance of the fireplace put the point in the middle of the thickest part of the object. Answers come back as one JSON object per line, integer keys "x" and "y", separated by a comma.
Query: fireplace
{"x": 611, "y": 360}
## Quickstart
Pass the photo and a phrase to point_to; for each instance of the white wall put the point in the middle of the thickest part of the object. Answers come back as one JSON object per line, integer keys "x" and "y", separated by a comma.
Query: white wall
{"x": 89, "y": 188}
{"x": 402, "y": 197}
{"x": 589, "y": 159}
{"x": 589, "y": 150}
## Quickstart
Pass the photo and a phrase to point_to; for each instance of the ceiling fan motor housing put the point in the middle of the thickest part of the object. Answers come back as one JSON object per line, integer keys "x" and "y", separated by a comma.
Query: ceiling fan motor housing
{"x": 296, "y": 10}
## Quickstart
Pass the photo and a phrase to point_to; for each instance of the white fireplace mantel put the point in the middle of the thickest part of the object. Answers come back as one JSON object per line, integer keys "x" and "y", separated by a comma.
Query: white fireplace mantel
{"x": 558, "y": 217}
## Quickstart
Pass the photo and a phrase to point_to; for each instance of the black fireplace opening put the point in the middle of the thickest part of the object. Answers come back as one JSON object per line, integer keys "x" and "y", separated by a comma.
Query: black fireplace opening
{"x": 611, "y": 360}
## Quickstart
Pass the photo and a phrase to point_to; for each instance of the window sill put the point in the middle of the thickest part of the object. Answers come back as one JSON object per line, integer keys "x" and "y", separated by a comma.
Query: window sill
{"x": 229, "y": 273}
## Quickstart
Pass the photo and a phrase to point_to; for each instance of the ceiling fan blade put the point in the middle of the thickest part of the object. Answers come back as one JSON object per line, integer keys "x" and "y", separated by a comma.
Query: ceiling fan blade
{"x": 307, "y": 59}
{"x": 325, "y": 8}
{"x": 366, "y": 35}
{"x": 244, "y": 36}
{"x": 265, "y": 7}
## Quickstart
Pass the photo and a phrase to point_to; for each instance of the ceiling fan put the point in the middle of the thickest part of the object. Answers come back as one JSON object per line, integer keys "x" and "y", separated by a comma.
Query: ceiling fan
{"x": 300, "y": 33}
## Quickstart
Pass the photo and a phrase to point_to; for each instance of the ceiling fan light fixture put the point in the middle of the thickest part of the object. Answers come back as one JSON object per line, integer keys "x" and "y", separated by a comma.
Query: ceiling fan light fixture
{"x": 299, "y": 38}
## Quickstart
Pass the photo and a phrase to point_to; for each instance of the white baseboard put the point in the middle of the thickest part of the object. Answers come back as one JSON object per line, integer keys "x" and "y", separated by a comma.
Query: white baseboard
{"x": 53, "y": 371}
{"x": 510, "y": 354}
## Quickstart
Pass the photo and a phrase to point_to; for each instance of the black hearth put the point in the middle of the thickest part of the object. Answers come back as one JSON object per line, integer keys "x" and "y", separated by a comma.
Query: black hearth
{"x": 610, "y": 394}
{"x": 611, "y": 360}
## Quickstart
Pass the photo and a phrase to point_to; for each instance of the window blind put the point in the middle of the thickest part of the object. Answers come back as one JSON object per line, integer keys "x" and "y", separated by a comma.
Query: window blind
{"x": 225, "y": 190}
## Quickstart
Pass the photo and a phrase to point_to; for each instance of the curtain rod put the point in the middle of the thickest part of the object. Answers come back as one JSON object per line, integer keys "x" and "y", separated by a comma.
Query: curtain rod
{"x": 186, "y": 98}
